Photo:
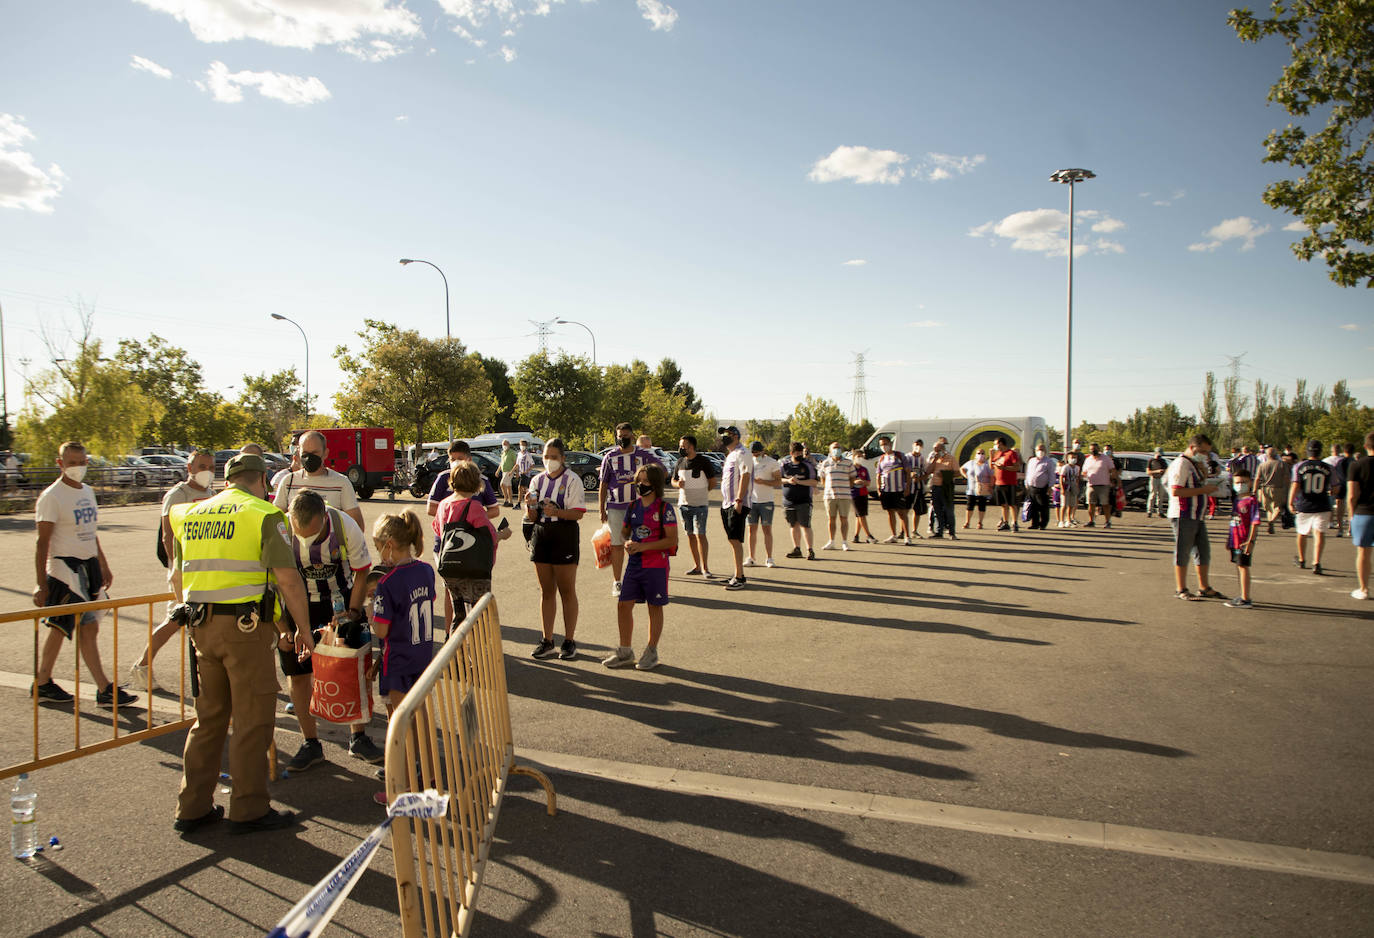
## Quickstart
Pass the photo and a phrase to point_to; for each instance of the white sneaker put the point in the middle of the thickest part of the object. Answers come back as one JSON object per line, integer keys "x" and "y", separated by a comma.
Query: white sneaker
{"x": 649, "y": 660}
{"x": 906, "y": 542}
{"x": 1359, "y": 594}
{"x": 769, "y": 562}
{"x": 620, "y": 658}
{"x": 615, "y": 588}
{"x": 889, "y": 540}
{"x": 844, "y": 545}
{"x": 139, "y": 675}
{"x": 749, "y": 562}
{"x": 829, "y": 545}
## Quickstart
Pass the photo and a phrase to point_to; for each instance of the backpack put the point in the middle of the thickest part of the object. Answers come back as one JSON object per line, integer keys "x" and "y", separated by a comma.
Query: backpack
{"x": 466, "y": 552}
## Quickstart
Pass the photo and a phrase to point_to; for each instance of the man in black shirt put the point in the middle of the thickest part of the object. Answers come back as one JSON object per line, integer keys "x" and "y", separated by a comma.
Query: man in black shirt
{"x": 1310, "y": 496}
{"x": 798, "y": 479}
{"x": 1359, "y": 498}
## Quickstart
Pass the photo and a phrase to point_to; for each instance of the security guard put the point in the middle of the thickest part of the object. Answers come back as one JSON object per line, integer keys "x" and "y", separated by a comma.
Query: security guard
{"x": 228, "y": 548}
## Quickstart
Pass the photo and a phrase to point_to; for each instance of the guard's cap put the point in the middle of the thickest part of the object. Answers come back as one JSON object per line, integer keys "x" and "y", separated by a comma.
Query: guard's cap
{"x": 245, "y": 462}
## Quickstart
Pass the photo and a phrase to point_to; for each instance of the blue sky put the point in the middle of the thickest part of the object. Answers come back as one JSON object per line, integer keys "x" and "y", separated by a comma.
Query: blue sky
{"x": 758, "y": 189}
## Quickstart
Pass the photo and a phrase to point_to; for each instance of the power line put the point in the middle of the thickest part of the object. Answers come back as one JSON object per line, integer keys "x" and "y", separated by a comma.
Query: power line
{"x": 543, "y": 330}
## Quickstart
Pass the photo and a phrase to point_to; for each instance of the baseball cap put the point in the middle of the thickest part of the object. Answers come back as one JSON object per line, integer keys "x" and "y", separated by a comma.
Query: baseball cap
{"x": 730, "y": 429}
{"x": 245, "y": 462}
{"x": 1314, "y": 447}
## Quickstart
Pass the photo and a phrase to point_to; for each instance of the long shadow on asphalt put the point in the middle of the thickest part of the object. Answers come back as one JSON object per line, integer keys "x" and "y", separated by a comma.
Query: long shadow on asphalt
{"x": 658, "y": 878}
{"x": 989, "y": 580}
{"x": 840, "y": 565}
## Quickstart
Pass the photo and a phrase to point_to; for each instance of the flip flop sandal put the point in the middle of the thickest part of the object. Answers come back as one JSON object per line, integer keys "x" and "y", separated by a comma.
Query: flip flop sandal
{"x": 1210, "y": 593}
{"x": 1184, "y": 594}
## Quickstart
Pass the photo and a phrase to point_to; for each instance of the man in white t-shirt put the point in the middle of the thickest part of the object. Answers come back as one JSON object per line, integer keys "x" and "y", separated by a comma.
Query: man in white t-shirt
{"x": 71, "y": 568}
{"x": 694, "y": 477}
{"x": 736, "y": 495}
{"x": 767, "y": 477}
{"x": 332, "y": 486}
{"x": 200, "y": 476}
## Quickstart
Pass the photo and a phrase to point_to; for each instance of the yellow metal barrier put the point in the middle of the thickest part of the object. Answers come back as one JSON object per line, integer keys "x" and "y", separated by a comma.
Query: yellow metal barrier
{"x": 452, "y": 732}
{"x": 117, "y": 738}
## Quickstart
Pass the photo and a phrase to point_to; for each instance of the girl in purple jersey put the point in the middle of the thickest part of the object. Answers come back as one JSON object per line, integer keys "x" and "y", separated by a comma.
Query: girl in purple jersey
{"x": 403, "y": 610}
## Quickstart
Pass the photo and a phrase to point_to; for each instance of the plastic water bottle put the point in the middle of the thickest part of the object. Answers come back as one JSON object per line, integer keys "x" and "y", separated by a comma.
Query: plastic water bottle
{"x": 24, "y": 827}
{"x": 339, "y": 606}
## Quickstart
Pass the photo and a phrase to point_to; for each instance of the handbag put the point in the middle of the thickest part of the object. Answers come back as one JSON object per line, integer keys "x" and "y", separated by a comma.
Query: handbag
{"x": 1026, "y": 509}
{"x": 339, "y": 689}
{"x": 601, "y": 544}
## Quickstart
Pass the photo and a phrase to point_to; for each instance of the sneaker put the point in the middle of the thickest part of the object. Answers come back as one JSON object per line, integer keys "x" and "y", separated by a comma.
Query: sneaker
{"x": 769, "y": 562}
{"x": 1239, "y": 603}
{"x": 1090, "y": 524}
{"x": 695, "y": 571}
{"x": 273, "y": 820}
{"x": 1359, "y": 594}
{"x": 735, "y": 583}
{"x": 709, "y": 575}
{"x": 140, "y": 676}
{"x": 1271, "y": 527}
{"x": 51, "y": 691}
{"x": 810, "y": 555}
{"x": 844, "y": 545}
{"x": 649, "y": 660}
{"x": 749, "y": 562}
{"x": 1107, "y": 524}
{"x": 569, "y": 650}
{"x": 1317, "y": 569}
{"x": 906, "y": 542}
{"x": 793, "y": 554}
{"x": 106, "y": 697}
{"x": 1003, "y": 526}
{"x": 953, "y": 536}
{"x": 620, "y": 658}
{"x": 615, "y": 589}
{"x": 310, "y": 753}
{"x": 362, "y": 747}
{"x": 544, "y": 649}
{"x": 189, "y": 825}
{"x": 829, "y": 545}
{"x": 938, "y": 537}
{"x": 889, "y": 540}
{"x": 1300, "y": 563}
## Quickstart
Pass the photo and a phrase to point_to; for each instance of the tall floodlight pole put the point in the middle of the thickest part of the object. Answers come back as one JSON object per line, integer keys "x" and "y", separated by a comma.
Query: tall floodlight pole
{"x": 307, "y": 361}
{"x": 4, "y": 388}
{"x": 1070, "y": 177}
{"x": 574, "y": 322}
{"x": 448, "y": 331}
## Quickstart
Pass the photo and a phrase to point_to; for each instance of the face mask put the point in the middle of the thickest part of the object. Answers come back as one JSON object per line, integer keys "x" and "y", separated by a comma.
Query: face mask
{"x": 553, "y": 465}
{"x": 75, "y": 473}
{"x": 311, "y": 462}
{"x": 682, "y": 454}
{"x": 1242, "y": 488}
{"x": 625, "y": 442}
{"x": 725, "y": 439}
{"x": 834, "y": 452}
{"x": 1040, "y": 454}
{"x": 980, "y": 457}
{"x": 204, "y": 478}
{"x": 1199, "y": 461}
{"x": 453, "y": 463}
{"x": 644, "y": 489}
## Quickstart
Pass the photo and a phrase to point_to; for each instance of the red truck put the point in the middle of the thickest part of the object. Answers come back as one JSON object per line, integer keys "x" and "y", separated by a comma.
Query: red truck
{"x": 365, "y": 454}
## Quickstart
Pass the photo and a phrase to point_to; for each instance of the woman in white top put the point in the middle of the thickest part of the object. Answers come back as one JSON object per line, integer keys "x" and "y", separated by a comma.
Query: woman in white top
{"x": 1070, "y": 475}
{"x": 553, "y": 507}
{"x": 978, "y": 476}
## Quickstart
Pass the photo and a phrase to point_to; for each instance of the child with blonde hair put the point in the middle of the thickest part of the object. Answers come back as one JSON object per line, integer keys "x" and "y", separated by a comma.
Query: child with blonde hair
{"x": 403, "y": 608}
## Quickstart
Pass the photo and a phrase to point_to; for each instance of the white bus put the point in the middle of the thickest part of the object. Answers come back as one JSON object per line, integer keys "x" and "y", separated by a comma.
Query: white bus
{"x": 966, "y": 435}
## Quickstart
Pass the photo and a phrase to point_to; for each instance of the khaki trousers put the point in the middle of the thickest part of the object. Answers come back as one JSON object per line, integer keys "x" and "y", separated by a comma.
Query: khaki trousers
{"x": 238, "y": 680}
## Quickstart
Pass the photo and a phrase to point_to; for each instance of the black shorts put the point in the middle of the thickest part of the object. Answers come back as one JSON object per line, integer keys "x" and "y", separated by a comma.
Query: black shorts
{"x": 734, "y": 522}
{"x": 556, "y": 542}
{"x": 979, "y": 502}
{"x": 893, "y": 501}
{"x": 1240, "y": 558}
{"x": 861, "y": 506}
{"x": 320, "y": 614}
{"x": 1005, "y": 495}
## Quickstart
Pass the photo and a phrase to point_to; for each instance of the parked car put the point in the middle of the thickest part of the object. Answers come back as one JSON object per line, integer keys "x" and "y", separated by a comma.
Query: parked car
{"x": 148, "y": 473}
{"x": 586, "y": 465}
{"x": 430, "y": 469}
{"x": 222, "y": 457}
{"x": 169, "y": 461}
{"x": 101, "y": 471}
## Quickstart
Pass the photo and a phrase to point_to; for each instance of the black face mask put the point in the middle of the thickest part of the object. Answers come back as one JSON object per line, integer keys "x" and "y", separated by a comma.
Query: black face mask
{"x": 644, "y": 489}
{"x": 625, "y": 442}
{"x": 726, "y": 439}
{"x": 682, "y": 454}
{"x": 312, "y": 462}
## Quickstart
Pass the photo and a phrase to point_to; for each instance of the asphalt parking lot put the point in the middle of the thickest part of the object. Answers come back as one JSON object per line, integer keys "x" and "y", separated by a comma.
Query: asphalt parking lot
{"x": 1050, "y": 674}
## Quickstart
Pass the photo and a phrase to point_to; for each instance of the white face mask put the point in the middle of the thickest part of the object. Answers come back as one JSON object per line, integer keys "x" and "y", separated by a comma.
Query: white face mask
{"x": 204, "y": 478}
{"x": 553, "y": 465}
{"x": 834, "y": 452}
{"x": 1242, "y": 488}
{"x": 75, "y": 473}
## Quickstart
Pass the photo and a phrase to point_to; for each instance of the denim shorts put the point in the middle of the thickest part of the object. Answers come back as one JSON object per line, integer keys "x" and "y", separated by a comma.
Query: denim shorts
{"x": 693, "y": 518}
{"x": 1362, "y": 530}
{"x": 761, "y": 513}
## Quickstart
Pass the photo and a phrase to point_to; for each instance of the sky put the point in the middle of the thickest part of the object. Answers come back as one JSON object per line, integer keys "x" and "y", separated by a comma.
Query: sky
{"x": 761, "y": 190}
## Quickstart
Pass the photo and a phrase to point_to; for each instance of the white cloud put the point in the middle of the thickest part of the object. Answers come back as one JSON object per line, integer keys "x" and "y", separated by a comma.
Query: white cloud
{"x": 1165, "y": 201}
{"x": 1351, "y": 327}
{"x": 23, "y": 183}
{"x": 1295, "y": 226}
{"x": 227, "y": 87}
{"x": 1046, "y": 231}
{"x": 508, "y": 53}
{"x": 139, "y": 63}
{"x": 659, "y": 14}
{"x": 861, "y": 164}
{"x": 1108, "y": 225}
{"x": 402, "y": 118}
{"x": 374, "y": 50}
{"x": 1241, "y": 229}
{"x": 295, "y": 24}
{"x": 925, "y": 324}
{"x": 940, "y": 166}
{"x": 856, "y": 262}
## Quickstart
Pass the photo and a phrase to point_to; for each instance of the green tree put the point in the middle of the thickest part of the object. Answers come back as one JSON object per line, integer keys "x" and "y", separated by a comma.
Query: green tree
{"x": 857, "y": 434}
{"x": 669, "y": 376}
{"x": 1236, "y": 405}
{"x": 1331, "y": 75}
{"x": 666, "y": 415}
{"x": 503, "y": 419}
{"x": 817, "y": 422}
{"x": 275, "y": 406}
{"x": 775, "y": 435}
{"x": 170, "y": 376}
{"x": 1207, "y": 413}
{"x": 622, "y": 395}
{"x": 557, "y": 396}
{"x": 411, "y": 383}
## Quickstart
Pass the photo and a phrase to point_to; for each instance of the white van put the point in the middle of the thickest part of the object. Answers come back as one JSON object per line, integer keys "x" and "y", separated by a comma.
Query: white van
{"x": 965, "y": 434}
{"x": 492, "y": 441}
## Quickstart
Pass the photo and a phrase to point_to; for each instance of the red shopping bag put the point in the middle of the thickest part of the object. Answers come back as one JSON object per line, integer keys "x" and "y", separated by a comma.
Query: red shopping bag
{"x": 340, "y": 692}
{"x": 601, "y": 543}
{"x": 1120, "y": 499}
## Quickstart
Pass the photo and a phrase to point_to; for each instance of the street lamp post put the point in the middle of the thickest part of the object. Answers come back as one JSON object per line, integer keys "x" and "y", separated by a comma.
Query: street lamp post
{"x": 448, "y": 333}
{"x": 307, "y": 361}
{"x": 1070, "y": 177}
{"x": 574, "y": 322}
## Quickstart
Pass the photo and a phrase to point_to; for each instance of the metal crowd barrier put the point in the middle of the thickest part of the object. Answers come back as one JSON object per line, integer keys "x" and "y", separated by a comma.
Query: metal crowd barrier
{"x": 118, "y": 737}
{"x": 452, "y": 733}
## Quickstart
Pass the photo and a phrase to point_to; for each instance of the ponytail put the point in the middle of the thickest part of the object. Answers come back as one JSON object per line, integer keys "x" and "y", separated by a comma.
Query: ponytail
{"x": 403, "y": 529}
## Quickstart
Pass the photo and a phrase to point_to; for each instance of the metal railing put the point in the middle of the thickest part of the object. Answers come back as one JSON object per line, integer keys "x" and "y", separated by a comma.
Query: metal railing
{"x": 452, "y": 732}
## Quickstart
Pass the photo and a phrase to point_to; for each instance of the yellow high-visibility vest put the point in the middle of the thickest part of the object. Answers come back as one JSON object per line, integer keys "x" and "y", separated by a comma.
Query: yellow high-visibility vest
{"x": 221, "y": 546}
